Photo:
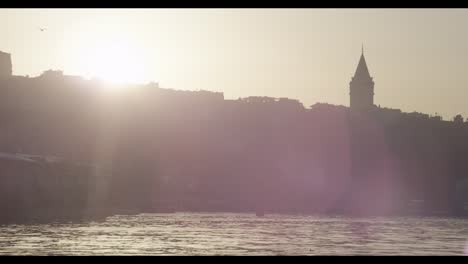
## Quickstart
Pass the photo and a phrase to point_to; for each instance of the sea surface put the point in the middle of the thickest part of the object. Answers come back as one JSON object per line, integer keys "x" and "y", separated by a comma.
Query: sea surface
{"x": 239, "y": 234}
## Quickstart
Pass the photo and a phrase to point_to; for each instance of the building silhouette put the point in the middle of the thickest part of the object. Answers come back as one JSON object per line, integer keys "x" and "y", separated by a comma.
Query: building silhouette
{"x": 361, "y": 87}
{"x": 5, "y": 65}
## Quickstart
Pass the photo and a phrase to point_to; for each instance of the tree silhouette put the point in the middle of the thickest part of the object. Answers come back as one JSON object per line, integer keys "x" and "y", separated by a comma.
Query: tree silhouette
{"x": 458, "y": 119}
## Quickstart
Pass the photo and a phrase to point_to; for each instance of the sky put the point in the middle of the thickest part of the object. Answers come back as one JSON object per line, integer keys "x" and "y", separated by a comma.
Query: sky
{"x": 418, "y": 57}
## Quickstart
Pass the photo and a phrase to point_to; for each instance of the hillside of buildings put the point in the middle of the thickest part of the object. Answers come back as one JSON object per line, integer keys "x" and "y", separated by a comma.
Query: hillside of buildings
{"x": 164, "y": 149}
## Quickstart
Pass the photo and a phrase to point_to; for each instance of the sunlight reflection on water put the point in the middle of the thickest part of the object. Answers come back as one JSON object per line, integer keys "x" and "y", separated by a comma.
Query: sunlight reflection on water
{"x": 239, "y": 234}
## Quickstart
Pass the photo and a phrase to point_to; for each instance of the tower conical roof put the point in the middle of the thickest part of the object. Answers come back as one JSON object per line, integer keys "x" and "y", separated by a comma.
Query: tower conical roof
{"x": 361, "y": 71}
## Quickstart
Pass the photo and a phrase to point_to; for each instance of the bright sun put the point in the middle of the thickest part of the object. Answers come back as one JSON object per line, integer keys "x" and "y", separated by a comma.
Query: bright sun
{"x": 115, "y": 61}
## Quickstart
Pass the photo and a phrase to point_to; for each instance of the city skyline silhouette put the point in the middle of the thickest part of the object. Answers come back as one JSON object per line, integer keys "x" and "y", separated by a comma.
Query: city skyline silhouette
{"x": 250, "y": 53}
{"x": 360, "y": 160}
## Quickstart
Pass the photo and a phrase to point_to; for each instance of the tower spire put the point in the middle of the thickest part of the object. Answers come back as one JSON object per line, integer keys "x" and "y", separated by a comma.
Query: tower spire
{"x": 362, "y": 72}
{"x": 361, "y": 86}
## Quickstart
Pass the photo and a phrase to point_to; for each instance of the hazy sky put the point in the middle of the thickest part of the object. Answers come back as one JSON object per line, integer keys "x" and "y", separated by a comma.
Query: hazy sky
{"x": 418, "y": 58}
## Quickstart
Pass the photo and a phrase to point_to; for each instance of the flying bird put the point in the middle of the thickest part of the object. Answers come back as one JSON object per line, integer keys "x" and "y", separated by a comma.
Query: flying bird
{"x": 42, "y": 29}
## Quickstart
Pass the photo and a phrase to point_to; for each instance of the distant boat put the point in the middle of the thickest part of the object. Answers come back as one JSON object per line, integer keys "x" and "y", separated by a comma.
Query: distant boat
{"x": 164, "y": 209}
{"x": 260, "y": 213}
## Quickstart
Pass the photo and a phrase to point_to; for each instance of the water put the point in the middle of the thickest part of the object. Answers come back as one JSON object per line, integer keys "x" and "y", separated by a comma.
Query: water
{"x": 239, "y": 234}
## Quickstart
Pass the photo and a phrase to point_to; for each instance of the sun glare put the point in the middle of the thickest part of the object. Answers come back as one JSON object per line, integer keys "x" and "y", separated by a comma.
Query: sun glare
{"x": 116, "y": 62}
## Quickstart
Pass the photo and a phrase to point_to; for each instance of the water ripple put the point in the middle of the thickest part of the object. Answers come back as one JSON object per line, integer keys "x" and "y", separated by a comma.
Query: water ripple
{"x": 239, "y": 234}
